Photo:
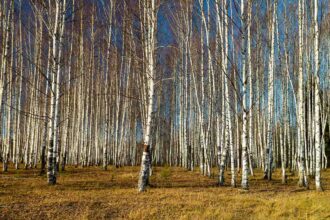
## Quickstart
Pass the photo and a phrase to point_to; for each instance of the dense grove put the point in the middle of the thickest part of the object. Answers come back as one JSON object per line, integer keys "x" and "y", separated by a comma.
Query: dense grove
{"x": 241, "y": 85}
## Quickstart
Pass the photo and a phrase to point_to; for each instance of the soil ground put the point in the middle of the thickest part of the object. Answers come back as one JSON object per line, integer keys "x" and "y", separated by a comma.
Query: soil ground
{"x": 91, "y": 193}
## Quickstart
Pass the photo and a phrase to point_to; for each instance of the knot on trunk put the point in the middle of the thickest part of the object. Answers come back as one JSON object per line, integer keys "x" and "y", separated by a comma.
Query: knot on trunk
{"x": 146, "y": 148}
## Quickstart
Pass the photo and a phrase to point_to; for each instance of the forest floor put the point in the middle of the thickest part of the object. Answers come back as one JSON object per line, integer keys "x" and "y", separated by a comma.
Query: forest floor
{"x": 90, "y": 193}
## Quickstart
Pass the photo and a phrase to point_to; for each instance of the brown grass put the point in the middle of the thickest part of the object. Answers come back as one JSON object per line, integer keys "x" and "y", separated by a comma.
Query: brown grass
{"x": 90, "y": 193}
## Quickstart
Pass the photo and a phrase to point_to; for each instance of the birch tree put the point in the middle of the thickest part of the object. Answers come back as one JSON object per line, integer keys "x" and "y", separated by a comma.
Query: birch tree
{"x": 317, "y": 102}
{"x": 57, "y": 36}
{"x": 269, "y": 149}
{"x": 149, "y": 29}
{"x": 300, "y": 102}
{"x": 245, "y": 168}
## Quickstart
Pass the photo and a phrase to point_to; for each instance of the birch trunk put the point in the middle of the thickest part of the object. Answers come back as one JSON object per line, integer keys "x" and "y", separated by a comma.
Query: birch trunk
{"x": 105, "y": 148}
{"x": 269, "y": 146}
{"x": 317, "y": 102}
{"x": 300, "y": 107}
{"x": 251, "y": 146}
{"x": 57, "y": 37}
{"x": 150, "y": 17}
{"x": 3, "y": 81}
{"x": 245, "y": 169}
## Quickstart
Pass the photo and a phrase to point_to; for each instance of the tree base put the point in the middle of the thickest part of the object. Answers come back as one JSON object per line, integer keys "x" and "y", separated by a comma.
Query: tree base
{"x": 319, "y": 189}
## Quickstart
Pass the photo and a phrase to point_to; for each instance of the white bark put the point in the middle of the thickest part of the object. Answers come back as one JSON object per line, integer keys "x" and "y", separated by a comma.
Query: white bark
{"x": 105, "y": 148}
{"x": 251, "y": 146}
{"x": 245, "y": 183}
{"x": 3, "y": 81}
{"x": 300, "y": 103}
{"x": 269, "y": 145}
{"x": 150, "y": 17}
{"x": 317, "y": 102}
{"x": 57, "y": 37}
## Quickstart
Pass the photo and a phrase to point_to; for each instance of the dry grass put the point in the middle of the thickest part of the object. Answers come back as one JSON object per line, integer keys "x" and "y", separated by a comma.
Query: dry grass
{"x": 91, "y": 193}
